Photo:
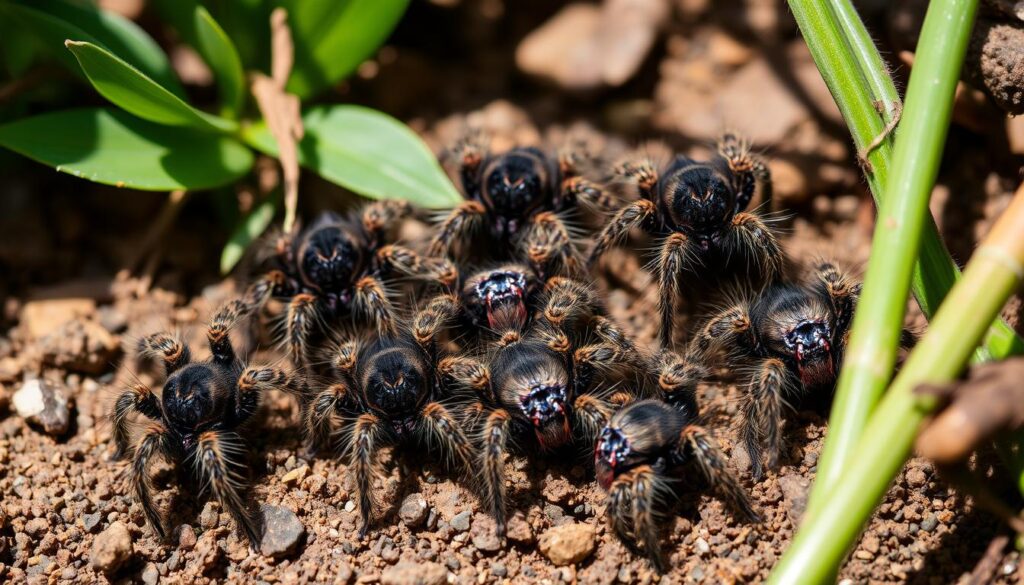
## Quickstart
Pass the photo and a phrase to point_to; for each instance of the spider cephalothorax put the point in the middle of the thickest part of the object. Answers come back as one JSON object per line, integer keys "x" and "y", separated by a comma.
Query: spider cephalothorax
{"x": 386, "y": 391}
{"x": 495, "y": 301}
{"x": 516, "y": 204}
{"x": 197, "y": 417}
{"x": 544, "y": 387}
{"x": 789, "y": 339}
{"x": 698, "y": 209}
{"x": 642, "y": 453}
{"x": 335, "y": 267}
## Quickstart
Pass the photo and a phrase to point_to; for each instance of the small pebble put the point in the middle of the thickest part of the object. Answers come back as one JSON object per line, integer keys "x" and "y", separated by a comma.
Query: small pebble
{"x": 460, "y": 521}
{"x": 111, "y": 549}
{"x": 283, "y": 532}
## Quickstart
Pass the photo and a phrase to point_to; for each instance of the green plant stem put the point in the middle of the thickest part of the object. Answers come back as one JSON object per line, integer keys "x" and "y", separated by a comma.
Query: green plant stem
{"x": 875, "y": 336}
{"x": 994, "y": 273}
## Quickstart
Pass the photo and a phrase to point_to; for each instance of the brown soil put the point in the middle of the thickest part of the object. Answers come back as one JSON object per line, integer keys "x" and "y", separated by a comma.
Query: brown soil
{"x": 67, "y": 317}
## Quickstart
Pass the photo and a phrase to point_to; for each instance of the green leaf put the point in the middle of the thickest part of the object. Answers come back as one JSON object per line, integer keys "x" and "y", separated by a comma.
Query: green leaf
{"x": 249, "y": 228}
{"x": 332, "y": 38}
{"x": 368, "y": 152}
{"x": 220, "y": 54}
{"x": 110, "y": 146}
{"x": 53, "y": 21}
{"x": 130, "y": 89}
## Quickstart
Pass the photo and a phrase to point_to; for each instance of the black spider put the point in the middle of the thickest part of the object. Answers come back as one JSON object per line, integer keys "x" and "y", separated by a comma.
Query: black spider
{"x": 788, "y": 340}
{"x": 698, "y": 210}
{"x": 387, "y": 391}
{"x": 544, "y": 387}
{"x": 640, "y": 458}
{"x": 515, "y": 206}
{"x": 336, "y": 267}
{"x": 197, "y": 417}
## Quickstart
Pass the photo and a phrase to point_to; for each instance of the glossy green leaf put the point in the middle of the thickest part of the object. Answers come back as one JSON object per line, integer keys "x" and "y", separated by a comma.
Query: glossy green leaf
{"x": 249, "y": 228}
{"x": 111, "y": 146}
{"x": 368, "y": 152}
{"x": 332, "y": 37}
{"x": 220, "y": 54}
{"x": 130, "y": 89}
{"x": 54, "y": 21}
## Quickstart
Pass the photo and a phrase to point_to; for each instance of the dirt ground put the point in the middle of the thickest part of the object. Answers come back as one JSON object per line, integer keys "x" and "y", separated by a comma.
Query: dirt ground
{"x": 71, "y": 310}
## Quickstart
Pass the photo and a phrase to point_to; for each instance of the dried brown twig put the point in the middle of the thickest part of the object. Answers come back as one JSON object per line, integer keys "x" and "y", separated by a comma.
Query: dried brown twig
{"x": 282, "y": 109}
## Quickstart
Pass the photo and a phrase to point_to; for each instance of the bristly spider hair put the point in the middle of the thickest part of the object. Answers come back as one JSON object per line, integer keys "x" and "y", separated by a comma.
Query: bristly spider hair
{"x": 642, "y": 454}
{"x": 698, "y": 211}
{"x": 198, "y": 417}
{"x": 336, "y": 267}
{"x": 545, "y": 387}
{"x": 516, "y": 205}
{"x": 490, "y": 302}
{"x": 386, "y": 390}
{"x": 785, "y": 341}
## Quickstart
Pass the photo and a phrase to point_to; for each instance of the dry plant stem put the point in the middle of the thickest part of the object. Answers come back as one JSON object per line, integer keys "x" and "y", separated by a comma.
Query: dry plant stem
{"x": 902, "y": 219}
{"x": 994, "y": 273}
{"x": 282, "y": 110}
{"x": 168, "y": 213}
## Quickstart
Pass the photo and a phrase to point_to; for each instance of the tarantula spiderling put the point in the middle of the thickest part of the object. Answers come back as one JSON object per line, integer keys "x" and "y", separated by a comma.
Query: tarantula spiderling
{"x": 517, "y": 203}
{"x": 197, "y": 418}
{"x": 787, "y": 340}
{"x": 507, "y": 298}
{"x": 698, "y": 209}
{"x": 387, "y": 391}
{"x": 641, "y": 454}
{"x": 544, "y": 387}
{"x": 339, "y": 265}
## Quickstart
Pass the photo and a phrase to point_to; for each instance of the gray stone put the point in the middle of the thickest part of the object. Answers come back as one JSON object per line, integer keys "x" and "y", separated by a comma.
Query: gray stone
{"x": 414, "y": 510}
{"x": 44, "y": 405}
{"x": 91, "y": 522}
{"x": 282, "y": 531}
{"x": 460, "y": 521}
{"x": 150, "y": 574}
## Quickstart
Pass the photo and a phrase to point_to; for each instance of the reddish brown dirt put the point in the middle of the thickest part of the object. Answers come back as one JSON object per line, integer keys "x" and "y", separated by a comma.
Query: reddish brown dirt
{"x": 715, "y": 67}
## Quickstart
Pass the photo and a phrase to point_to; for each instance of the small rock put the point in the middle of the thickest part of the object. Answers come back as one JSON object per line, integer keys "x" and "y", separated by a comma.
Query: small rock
{"x": 296, "y": 475}
{"x": 916, "y": 477}
{"x": 413, "y": 511}
{"x": 702, "y": 546}
{"x": 282, "y": 531}
{"x": 186, "y": 537}
{"x": 80, "y": 346}
{"x": 45, "y": 405}
{"x": 484, "y": 534}
{"x": 794, "y": 492}
{"x": 150, "y": 574}
{"x": 37, "y": 527}
{"x": 91, "y": 521}
{"x": 43, "y": 317}
{"x": 460, "y": 521}
{"x": 112, "y": 548}
{"x": 209, "y": 517}
{"x": 519, "y": 530}
{"x": 499, "y": 570}
{"x": 415, "y": 574}
{"x": 929, "y": 523}
{"x": 568, "y": 543}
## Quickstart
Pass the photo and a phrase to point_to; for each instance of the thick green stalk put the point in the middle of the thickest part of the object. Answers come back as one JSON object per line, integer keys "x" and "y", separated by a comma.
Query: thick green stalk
{"x": 994, "y": 273}
{"x": 875, "y": 336}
